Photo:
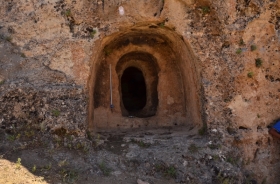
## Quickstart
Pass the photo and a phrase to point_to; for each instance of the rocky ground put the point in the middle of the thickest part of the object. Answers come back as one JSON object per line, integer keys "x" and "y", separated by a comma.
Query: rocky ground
{"x": 151, "y": 156}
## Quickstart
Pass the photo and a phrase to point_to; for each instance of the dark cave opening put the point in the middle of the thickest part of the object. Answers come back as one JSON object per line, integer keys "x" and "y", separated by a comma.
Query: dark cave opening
{"x": 133, "y": 88}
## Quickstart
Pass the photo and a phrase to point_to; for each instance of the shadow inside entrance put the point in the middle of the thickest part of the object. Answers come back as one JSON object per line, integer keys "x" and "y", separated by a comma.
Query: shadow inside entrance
{"x": 133, "y": 88}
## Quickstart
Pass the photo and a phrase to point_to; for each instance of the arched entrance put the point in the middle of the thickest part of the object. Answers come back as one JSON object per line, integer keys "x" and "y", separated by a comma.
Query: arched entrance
{"x": 133, "y": 90}
{"x": 140, "y": 70}
{"x": 154, "y": 80}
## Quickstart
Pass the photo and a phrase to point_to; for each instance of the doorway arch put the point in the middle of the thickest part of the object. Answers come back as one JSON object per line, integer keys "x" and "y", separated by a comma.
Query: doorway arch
{"x": 169, "y": 71}
{"x": 133, "y": 90}
{"x": 148, "y": 66}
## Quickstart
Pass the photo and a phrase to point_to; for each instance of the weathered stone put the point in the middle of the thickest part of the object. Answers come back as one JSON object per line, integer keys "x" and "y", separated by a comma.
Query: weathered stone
{"x": 54, "y": 72}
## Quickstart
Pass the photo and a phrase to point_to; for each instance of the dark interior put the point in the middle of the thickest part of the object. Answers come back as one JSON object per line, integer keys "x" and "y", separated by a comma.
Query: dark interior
{"x": 138, "y": 76}
{"x": 133, "y": 88}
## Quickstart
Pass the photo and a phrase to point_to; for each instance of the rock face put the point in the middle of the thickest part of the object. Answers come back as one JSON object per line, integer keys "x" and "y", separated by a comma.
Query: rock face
{"x": 206, "y": 64}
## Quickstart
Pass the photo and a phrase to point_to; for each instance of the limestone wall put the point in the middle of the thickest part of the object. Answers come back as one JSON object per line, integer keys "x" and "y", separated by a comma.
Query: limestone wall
{"x": 48, "y": 52}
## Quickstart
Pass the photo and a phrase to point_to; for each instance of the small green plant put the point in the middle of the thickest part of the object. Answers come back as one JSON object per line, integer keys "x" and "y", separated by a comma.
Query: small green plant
{"x": 86, "y": 149}
{"x": 215, "y": 157}
{"x": 92, "y": 33}
{"x": 250, "y": 74}
{"x": 170, "y": 172}
{"x": 193, "y": 148}
{"x": 232, "y": 160}
{"x": 69, "y": 176}
{"x": 205, "y": 9}
{"x": 56, "y": 112}
{"x": 105, "y": 170}
{"x": 97, "y": 139}
{"x": 238, "y": 51}
{"x": 202, "y": 130}
{"x": 241, "y": 42}
{"x": 57, "y": 139}
{"x": 258, "y": 115}
{"x": 107, "y": 51}
{"x": 29, "y": 134}
{"x": 89, "y": 136}
{"x": 11, "y": 137}
{"x": 162, "y": 24}
{"x": 69, "y": 146}
{"x": 158, "y": 167}
{"x": 62, "y": 163}
{"x": 78, "y": 146}
{"x": 47, "y": 167}
{"x": 23, "y": 55}
{"x": 141, "y": 143}
{"x": 258, "y": 62}
{"x": 34, "y": 168}
{"x": 226, "y": 181}
{"x": 253, "y": 47}
{"x": 8, "y": 38}
{"x": 2, "y": 82}
{"x": 68, "y": 13}
{"x": 223, "y": 179}
{"x": 18, "y": 163}
{"x": 214, "y": 146}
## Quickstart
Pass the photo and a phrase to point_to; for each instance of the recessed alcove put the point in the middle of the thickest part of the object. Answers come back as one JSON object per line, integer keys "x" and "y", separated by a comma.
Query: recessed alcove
{"x": 139, "y": 63}
{"x": 133, "y": 90}
{"x": 155, "y": 81}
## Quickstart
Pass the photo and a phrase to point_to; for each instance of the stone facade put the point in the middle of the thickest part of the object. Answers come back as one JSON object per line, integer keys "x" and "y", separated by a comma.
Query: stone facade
{"x": 218, "y": 67}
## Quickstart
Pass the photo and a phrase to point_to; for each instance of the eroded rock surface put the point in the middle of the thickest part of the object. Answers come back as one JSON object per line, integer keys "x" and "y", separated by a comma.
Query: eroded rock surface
{"x": 50, "y": 52}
